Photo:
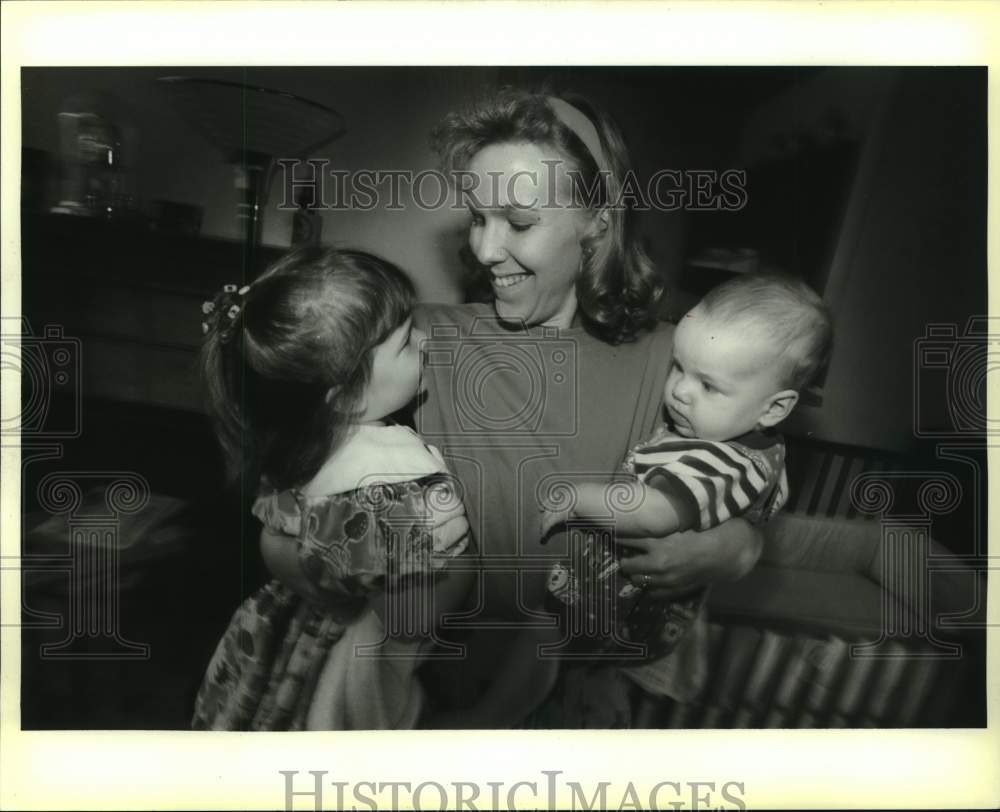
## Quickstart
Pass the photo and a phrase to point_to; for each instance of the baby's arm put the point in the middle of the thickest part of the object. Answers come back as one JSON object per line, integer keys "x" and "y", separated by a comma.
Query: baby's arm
{"x": 635, "y": 510}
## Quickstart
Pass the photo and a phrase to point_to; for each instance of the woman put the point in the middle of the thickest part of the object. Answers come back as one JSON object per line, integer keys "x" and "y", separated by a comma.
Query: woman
{"x": 562, "y": 372}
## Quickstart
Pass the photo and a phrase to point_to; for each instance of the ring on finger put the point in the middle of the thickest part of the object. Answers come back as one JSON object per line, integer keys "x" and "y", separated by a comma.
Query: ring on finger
{"x": 646, "y": 580}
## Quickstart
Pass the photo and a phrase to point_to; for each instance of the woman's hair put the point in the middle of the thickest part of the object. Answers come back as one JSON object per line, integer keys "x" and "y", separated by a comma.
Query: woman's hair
{"x": 618, "y": 289}
{"x": 287, "y": 367}
{"x": 785, "y": 312}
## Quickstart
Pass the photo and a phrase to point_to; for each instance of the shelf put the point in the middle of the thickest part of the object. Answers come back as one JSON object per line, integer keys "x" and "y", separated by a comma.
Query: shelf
{"x": 64, "y": 247}
{"x": 131, "y": 297}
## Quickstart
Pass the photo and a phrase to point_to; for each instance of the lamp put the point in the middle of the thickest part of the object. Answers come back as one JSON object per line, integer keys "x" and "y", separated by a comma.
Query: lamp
{"x": 252, "y": 126}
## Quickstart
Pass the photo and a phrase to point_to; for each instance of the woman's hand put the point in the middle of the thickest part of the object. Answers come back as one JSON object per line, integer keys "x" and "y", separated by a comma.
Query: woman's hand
{"x": 677, "y": 564}
{"x": 447, "y": 520}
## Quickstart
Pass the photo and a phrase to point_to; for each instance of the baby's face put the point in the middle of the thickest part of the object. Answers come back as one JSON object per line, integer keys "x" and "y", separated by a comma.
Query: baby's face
{"x": 721, "y": 381}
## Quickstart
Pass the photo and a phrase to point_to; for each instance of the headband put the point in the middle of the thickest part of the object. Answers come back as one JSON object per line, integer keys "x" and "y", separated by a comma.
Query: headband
{"x": 582, "y": 127}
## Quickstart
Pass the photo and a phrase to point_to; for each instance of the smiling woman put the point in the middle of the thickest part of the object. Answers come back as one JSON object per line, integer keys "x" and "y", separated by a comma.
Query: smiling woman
{"x": 531, "y": 248}
{"x": 558, "y": 377}
{"x": 555, "y": 166}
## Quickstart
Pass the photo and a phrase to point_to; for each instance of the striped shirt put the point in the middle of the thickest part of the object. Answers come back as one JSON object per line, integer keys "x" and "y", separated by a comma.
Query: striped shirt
{"x": 716, "y": 480}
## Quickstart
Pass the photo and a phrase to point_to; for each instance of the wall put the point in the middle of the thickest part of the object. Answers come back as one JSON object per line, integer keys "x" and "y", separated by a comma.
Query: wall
{"x": 912, "y": 253}
{"x": 389, "y": 113}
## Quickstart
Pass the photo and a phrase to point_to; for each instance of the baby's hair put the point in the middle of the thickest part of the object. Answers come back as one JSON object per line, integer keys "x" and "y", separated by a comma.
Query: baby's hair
{"x": 784, "y": 310}
{"x": 288, "y": 379}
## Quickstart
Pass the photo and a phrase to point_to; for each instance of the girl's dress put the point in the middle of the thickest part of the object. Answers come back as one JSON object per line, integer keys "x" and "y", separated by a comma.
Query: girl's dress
{"x": 382, "y": 513}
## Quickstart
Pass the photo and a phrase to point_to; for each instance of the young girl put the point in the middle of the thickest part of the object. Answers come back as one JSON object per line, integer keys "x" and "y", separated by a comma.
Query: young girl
{"x": 303, "y": 368}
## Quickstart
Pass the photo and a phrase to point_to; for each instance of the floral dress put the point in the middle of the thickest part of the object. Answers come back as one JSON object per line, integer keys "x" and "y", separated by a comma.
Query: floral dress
{"x": 280, "y": 648}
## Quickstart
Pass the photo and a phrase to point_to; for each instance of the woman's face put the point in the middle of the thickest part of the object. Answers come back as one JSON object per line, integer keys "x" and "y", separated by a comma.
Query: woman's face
{"x": 525, "y": 231}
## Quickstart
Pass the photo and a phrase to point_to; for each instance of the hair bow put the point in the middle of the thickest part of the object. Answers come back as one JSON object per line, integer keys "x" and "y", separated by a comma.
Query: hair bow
{"x": 222, "y": 311}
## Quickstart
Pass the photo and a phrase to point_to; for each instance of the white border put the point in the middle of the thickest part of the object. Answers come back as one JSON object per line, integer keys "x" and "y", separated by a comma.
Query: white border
{"x": 932, "y": 769}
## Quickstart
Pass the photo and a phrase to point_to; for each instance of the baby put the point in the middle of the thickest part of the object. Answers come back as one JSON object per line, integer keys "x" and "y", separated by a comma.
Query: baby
{"x": 740, "y": 359}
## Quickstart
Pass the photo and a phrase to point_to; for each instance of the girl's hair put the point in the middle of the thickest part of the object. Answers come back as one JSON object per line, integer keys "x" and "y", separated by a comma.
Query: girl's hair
{"x": 618, "y": 289}
{"x": 287, "y": 373}
{"x": 784, "y": 311}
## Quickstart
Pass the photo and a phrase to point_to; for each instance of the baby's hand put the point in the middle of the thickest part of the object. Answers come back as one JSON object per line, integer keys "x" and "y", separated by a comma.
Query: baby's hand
{"x": 550, "y": 518}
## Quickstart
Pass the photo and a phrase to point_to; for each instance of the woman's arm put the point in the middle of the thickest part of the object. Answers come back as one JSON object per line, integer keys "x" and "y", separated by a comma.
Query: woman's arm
{"x": 414, "y": 606}
{"x": 685, "y": 561}
{"x": 281, "y": 557}
{"x": 442, "y": 592}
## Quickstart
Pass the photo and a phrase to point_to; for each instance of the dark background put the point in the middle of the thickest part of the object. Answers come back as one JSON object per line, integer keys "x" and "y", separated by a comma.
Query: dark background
{"x": 868, "y": 182}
